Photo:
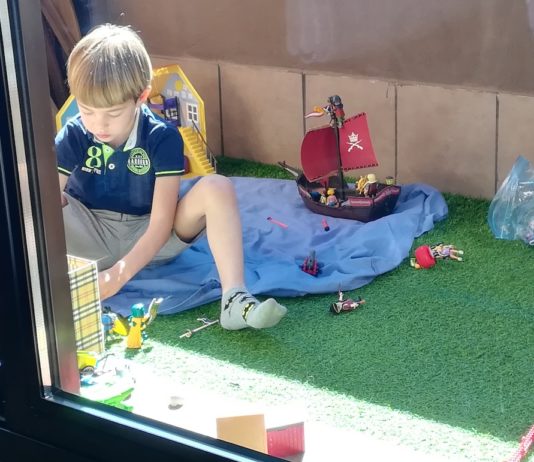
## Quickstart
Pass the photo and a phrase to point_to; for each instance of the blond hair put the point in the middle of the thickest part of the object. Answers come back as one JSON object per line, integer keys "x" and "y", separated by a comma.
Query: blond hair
{"x": 109, "y": 66}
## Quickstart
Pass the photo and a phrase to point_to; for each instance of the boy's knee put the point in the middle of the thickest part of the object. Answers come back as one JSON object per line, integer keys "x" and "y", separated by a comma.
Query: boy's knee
{"x": 218, "y": 184}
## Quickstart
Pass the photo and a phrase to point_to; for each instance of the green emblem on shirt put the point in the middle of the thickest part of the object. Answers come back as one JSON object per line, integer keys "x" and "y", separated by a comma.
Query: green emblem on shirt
{"x": 138, "y": 162}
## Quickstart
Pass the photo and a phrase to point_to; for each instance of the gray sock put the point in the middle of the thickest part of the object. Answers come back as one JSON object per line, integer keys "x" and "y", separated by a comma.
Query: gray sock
{"x": 239, "y": 309}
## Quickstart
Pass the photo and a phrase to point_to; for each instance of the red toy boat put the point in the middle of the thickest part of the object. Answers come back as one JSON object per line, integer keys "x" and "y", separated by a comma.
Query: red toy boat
{"x": 326, "y": 153}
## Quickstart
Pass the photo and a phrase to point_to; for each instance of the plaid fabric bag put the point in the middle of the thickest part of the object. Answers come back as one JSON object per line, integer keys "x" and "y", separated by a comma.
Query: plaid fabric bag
{"x": 87, "y": 312}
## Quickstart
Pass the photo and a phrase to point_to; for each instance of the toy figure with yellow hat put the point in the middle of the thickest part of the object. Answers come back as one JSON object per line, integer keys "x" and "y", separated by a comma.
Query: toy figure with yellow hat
{"x": 371, "y": 187}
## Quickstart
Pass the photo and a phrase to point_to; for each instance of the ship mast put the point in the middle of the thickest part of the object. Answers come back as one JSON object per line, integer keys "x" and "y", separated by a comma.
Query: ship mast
{"x": 337, "y": 118}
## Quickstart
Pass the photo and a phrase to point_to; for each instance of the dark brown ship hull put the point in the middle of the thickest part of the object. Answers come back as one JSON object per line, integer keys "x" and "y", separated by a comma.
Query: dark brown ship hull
{"x": 356, "y": 207}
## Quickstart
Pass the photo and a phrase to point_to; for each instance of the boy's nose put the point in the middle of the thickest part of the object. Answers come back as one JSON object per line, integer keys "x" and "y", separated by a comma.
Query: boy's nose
{"x": 102, "y": 124}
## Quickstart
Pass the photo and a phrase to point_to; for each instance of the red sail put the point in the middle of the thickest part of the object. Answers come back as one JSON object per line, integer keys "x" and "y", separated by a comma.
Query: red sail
{"x": 318, "y": 151}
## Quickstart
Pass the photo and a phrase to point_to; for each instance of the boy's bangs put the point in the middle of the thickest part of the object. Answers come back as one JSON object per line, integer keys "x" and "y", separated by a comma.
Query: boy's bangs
{"x": 98, "y": 96}
{"x": 104, "y": 82}
{"x": 104, "y": 88}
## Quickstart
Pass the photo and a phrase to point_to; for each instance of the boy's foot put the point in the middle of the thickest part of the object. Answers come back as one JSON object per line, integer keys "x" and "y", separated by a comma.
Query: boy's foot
{"x": 239, "y": 309}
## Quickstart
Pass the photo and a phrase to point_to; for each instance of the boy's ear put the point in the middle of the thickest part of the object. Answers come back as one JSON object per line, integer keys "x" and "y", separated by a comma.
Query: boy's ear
{"x": 144, "y": 95}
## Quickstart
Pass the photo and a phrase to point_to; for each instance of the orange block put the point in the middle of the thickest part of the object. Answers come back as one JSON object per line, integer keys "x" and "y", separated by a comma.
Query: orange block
{"x": 245, "y": 430}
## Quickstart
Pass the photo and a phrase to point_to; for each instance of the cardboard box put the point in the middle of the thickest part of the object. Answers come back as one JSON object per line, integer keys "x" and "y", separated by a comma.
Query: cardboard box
{"x": 86, "y": 309}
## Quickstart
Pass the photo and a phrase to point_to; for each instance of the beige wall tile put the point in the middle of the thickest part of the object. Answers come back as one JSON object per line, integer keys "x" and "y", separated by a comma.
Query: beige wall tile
{"x": 446, "y": 138}
{"x": 261, "y": 113}
{"x": 376, "y": 98}
{"x": 516, "y": 132}
{"x": 204, "y": 75}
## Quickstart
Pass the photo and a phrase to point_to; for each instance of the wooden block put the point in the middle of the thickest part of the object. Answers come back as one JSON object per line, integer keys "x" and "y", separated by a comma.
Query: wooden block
{"x": 245, "y": 430}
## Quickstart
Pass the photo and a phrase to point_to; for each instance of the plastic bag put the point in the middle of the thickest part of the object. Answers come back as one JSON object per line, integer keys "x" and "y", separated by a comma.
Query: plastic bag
{"x": 511, "y": 212}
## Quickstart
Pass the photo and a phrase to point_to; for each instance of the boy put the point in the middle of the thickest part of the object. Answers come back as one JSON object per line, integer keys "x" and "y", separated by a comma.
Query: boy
{"x": 119, "y": 169}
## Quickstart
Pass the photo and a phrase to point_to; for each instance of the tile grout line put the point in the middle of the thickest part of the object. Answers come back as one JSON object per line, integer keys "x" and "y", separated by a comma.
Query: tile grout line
{"x": 303, "y": 86}
{"x": 219, "y": 79}
{"x": 496, "y": 172}
{"x": 396, "y": 133}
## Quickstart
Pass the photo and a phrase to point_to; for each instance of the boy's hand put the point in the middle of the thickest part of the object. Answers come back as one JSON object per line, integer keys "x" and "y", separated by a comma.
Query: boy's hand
{"x": 110, "y": 281}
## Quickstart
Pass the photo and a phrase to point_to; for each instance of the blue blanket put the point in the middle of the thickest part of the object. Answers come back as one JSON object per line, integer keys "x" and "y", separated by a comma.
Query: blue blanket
{"x": 351, "y": 254}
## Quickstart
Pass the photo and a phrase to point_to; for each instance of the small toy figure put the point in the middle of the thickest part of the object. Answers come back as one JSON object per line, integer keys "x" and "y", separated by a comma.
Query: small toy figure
{"x": 527, "y": 233}
{"x": 337, "y": 113}
{"x": 334, "y": 109}
{"x": 322, "y": 199}
{"x": 345, "y": 305}
{"x": 114, "y": 324}
{"x": 107, "y": 323}
{"x": 361, "y": 184}
{"x": 331, "y": 199}
{"x": 137, "y": 333}
{"x": 171, "y": 110}
{"x": 426, "y": 256}
{"x": 139, "y": 320}
{"x": 371, "y": 187}
{"x": 316, "y": 196}
{"x": 443, "y": 251}
{"x": 310, "y": 264}
{"x": 168, "y": 108}
{"x": 390, "y": 181}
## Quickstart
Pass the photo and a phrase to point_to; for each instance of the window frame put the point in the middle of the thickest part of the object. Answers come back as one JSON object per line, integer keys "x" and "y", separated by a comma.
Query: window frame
{"x": 192, "y": 113}
{"x": 49, "y": 419}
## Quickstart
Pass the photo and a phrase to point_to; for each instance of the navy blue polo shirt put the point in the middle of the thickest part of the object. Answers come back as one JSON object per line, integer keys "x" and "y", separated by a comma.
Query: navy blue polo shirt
{"x": 121, "y": 180}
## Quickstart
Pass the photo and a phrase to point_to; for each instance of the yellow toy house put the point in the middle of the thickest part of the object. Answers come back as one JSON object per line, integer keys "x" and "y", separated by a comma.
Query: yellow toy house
{"x": 174, "y": 99}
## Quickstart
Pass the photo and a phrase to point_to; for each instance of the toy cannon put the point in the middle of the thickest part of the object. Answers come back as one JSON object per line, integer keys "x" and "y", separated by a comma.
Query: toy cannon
{"x": 310, "y": 264}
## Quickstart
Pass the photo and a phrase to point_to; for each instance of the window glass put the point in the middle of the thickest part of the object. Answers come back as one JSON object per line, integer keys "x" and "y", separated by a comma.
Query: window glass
{"x": 392, "y": 374}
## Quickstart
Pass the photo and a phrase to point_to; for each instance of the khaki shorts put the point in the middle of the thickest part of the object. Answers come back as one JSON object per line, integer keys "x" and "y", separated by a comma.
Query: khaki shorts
{"x": 106, "y": 237}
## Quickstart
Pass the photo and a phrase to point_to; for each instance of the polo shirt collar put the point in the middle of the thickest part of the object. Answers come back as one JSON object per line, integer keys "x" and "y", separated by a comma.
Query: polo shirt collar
{"x": 131, "y": 142}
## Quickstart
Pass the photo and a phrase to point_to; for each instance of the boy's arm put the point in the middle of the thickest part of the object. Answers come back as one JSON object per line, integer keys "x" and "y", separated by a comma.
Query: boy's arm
{"x": 159, "y": 229}
{"x": 62, "y": 183}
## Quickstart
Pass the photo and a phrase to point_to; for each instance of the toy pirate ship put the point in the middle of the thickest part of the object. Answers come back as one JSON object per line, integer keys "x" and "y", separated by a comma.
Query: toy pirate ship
{"x": 329, "y": 151}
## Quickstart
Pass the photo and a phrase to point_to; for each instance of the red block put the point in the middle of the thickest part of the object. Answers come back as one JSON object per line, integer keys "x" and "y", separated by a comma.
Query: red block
{"x": 285, "y": 440}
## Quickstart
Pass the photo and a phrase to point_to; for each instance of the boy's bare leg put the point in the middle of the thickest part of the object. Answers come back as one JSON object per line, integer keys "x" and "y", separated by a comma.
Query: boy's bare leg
{"x": 211, "y": 203}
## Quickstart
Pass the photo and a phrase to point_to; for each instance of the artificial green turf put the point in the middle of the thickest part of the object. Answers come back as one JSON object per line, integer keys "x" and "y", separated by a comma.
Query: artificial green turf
{"x": 454, "y": 344}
